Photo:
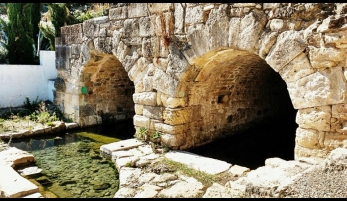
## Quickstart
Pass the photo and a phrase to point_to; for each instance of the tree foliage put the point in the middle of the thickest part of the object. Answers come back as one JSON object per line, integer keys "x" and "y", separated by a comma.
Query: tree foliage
{"x": 20, "y": 32}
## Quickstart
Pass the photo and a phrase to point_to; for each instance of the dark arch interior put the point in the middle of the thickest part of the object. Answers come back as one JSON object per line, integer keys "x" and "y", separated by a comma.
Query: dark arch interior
{"x": 108, "y": 90}
{"x": 262, "y": 127}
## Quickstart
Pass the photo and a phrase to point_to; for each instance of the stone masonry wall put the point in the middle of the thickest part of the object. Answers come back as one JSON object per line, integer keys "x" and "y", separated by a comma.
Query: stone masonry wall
{"x": 196, "y": 70}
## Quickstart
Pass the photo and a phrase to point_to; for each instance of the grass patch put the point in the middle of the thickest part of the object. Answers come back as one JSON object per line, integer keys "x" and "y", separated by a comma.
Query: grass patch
{"x": 205, "y": 178}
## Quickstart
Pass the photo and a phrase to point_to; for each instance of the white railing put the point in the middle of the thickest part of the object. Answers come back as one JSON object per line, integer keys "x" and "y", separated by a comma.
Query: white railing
{"x": 34, "y": 81}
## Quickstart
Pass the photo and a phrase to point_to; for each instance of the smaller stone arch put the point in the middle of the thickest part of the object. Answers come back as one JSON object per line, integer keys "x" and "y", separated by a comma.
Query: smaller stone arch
{"x": 109, "y": 91}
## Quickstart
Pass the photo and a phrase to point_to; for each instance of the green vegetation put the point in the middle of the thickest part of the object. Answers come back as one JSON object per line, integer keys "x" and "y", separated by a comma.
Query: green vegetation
{"x": 20, "y": 31}
{"x": 141, "y": 134}
{"x": 27, "y": 28}
{"x": 29, "y": 114}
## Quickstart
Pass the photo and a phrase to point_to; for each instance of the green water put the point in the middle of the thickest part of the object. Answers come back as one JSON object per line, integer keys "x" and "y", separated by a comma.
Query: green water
{"x": 71, "y": 164}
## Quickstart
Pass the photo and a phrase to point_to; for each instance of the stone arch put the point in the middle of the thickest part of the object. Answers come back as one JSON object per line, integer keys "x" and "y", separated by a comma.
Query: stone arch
{"x": 160, "y": 45}
{"x": 229, "y": 91}
{"x": 109, "y": 91}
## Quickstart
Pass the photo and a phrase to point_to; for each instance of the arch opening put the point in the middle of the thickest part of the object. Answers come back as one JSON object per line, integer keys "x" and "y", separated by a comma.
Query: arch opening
{"x": 108, "y": 96}
{"x": 239, "y": 97}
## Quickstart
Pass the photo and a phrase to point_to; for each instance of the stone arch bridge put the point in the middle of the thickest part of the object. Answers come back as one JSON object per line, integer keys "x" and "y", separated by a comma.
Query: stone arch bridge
{"x": 197, "y": 71}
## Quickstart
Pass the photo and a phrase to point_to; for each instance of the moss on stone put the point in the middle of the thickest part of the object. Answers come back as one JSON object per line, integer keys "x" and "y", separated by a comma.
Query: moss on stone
{"x": 98, "y": 138}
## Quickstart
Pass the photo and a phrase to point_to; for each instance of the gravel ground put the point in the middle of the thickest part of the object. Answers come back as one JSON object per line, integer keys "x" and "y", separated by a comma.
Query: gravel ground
{"x": 320, "y": 183}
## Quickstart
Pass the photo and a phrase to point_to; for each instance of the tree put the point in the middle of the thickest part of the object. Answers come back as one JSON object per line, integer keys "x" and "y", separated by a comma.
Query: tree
{"x": 20, "y": 32}
{"x": 57, "y": 16}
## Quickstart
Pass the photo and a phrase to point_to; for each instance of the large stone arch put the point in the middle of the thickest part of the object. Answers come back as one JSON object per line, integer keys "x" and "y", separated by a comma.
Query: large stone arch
{"x": 229, "y": 91}
{"x": 167, "y": 51}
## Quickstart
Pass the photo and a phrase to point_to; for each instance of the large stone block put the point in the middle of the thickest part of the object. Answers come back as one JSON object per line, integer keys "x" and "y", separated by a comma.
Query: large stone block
{"x": 179, "y": 18}
{"x": 118, "y": 13}
{"x": 337, "y": 39}
{"x": 217, "y": 27}
{"x": 309, "y": 138}
{"x": 164, "y": 83}
{"x": 146, "y": 28}
{"x": 131, "y": 32}
{"x": 136, "y": 10}
{"x": 170, "y": 129}
{"x": 296, "y": 69}
{"x": 195, "y": 15}
{"x": 139, "y": 70}
{"x": 335, "y": 140}
{"x": 72, "y": 34}
{"x": 159, "y": 7}
{"x": 326, "y": 87}
{"x": 177, "y": 116}
{"x": 289, "y": 44}
{"x": 323, "y": 57}
{"x": 172, "y": 140}
{"x": 317, "y": 118}
{"x": 141, "y": 121}
{"x": 300, "y": 151}
{"x": 171, "y": 102}
{"x": 145, "y": 98}
{"x": 266, "y": 41}
{"x": 250, "y": 28}
{"x": 153, "y": 112}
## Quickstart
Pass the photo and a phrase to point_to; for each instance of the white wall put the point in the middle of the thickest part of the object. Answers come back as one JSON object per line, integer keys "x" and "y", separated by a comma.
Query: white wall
{"x": 19, "y": 81}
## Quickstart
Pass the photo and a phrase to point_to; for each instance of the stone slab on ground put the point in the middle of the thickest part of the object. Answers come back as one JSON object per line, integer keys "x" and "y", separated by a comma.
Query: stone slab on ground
{"x": 34, "y": 195}
{"x": 120, "y": 145}
{"x": 15, "y": 157}
{"x": 30, "y": 171}
{"x": 200, "y": 163}
{"x": 14, "y": 185}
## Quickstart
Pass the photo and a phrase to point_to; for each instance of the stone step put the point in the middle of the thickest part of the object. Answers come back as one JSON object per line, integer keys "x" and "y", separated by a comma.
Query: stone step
{"x": 13, "y": 185}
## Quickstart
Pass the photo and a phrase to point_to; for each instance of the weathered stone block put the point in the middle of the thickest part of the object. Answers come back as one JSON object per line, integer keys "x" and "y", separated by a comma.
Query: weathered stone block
{"x": 172, "y": 140}
{"x": 265, "y": 43}
{"x": 146, "y": 28}
{"x": 250, "y": 28}
{"x": 139, "y": 87}
{"x": 179, "y": 18}
{"x": 153, "y": 112}
{"x": 339, "y": 111}
{"x": 335, "y": 140}
{"x": 320, "y": 88}
{"x": 72, "y": 34}
{"x": 138, "y": 109}
{"x": 164, "y": 83}
{"x": 137, "y": 10}
{"x": 327, "y": 57}
{"x": 300, "y": 151}
{"x": 309, "y": 138}
{"x": 218, "y": 22}
{"x": 337, "y": 39}
{"x": 131, "y": 28}
{"x": 195, "y": 15}
{"x": 176, "y": 116}
{"x": 317, "y": 118}
{"x": 289, "y": 45}
{"x": 171, "y": 102}
{"x": 145, "y": 98}
{"x": 138, "y": 72}
{"x": 234, "y": 32}
{"x": 298, "y": 68}
{"x": 141, "y": 121}
{"x": 118, "y": 13}
{"x": 170, "y": 129}
{"x": 159, "y": 7}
